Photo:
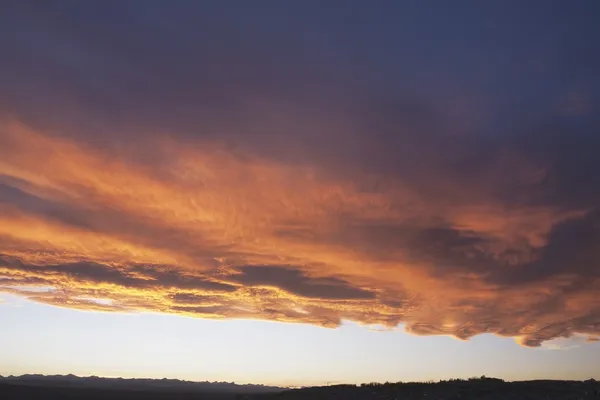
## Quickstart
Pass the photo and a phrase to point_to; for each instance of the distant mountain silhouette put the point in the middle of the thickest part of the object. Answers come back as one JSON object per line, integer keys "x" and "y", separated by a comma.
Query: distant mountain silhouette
{"x": 95, "y": 382}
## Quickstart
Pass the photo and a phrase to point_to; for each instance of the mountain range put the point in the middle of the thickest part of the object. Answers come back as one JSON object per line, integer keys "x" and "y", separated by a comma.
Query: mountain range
{"x": 95, "y": 382}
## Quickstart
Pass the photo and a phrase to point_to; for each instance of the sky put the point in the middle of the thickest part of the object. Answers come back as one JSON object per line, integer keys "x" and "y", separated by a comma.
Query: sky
{"x": 300, "y": 192}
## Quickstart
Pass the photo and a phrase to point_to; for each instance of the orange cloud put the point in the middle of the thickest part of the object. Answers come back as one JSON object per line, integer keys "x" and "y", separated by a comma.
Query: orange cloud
{"x": 213, "y": 232}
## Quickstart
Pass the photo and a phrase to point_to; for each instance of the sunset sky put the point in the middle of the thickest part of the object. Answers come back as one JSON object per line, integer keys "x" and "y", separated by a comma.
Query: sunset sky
{"x": 300, "y": 192}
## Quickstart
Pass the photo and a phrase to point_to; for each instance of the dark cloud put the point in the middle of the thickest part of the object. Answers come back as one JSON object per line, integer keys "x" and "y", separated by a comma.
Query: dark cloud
{"x": 88, "y": 271}
{"x": 572, "y": 248}
{"x": 178, "y": 279}
{"x": 127, "y": 276}
{"x": 564, "y": 146}
{"x": 295, "y": 281}
{"x": 201, "y": 310}
{"x": 298, "y": 96}
{"x": 190, "y": 298}
{"x": 441, "y": 245}
{"x": 44, "y": 208}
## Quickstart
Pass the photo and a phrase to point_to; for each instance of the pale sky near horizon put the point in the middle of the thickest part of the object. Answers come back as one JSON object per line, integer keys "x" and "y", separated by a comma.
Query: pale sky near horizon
{"x": 236, "y": 190}
{"x": 50, "y": 340}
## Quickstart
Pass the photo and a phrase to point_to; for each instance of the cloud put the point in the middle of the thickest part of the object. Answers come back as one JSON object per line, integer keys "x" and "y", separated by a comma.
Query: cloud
{"x": 278, "y": 177}
{"x": 293, "y": 281}
{"x": 320, "y": 251}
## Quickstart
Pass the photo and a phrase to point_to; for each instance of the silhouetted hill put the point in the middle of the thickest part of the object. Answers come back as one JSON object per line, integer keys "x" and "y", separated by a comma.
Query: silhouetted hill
{"x": 93, "y": 387}
{"x": 70, "y": 387}
{"x": 473, "y": 389}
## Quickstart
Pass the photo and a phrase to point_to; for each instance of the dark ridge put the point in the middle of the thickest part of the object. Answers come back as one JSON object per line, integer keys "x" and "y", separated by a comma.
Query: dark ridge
{"x": 456, "y": 389}
{"x": 71, "y": 387}
{"x": 93, "y": 387}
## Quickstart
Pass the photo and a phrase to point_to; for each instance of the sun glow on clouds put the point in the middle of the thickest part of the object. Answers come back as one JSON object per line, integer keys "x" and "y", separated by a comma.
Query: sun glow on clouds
{"x": 212, "y": 232}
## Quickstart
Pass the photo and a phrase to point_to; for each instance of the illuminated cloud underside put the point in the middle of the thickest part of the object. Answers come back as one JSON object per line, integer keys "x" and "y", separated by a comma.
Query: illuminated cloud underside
{"x": 212, "y": 232}
{"x": 306, "y": 163}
